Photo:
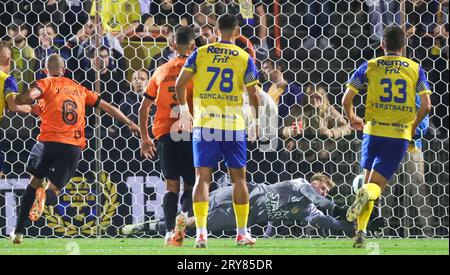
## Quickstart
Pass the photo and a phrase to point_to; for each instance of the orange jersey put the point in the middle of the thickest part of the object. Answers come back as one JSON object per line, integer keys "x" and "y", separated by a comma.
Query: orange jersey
{"x": 161, "y": 89}
{"x": 63, "y": 103}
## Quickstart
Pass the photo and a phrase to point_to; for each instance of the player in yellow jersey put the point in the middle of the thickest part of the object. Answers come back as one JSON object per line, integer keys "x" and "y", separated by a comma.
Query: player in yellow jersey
{"x": 219, "y": 72}
{"x": 8, "y": 90}
{"x": 120, "y": 17}
{"x": 391, "y": 119}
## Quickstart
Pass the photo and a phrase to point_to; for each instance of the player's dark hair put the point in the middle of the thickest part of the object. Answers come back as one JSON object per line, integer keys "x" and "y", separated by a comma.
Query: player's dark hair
{"x": 279, "y": 64}
{"x": 5, "y": 44}
{"x": 47, "y": 25}
{"x": 227, "y": 22}
{"x": 144, "y": 71}
{"x": 104, "y": 48}
{"x": 393, "y": 38}
{"x": 184, "y": 35}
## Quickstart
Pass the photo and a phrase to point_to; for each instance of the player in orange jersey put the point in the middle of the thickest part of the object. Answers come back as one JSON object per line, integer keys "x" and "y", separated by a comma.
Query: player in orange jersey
{"x": 175, "y": 153}
{"x": 56, "y": 154}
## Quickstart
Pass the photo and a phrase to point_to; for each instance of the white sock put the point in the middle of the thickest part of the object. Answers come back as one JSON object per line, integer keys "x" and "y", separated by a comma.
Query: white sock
{"x": 168, "y": 234}
{"x": 201, "y": 231}
{"x": 242, "y": 231}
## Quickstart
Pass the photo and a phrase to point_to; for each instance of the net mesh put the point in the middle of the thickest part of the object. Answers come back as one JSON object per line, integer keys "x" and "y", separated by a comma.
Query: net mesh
{"x": 316, "y": 45}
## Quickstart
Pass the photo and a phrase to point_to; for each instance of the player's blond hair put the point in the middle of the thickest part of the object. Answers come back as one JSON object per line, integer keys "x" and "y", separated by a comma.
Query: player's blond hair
{"x": 323, "y": 178}
{"x": 4, "y": 45}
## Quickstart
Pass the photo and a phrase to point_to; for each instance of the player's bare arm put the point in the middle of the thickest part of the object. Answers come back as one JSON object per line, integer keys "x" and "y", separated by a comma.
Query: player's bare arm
{"x": 356, "y": 122}
{"x": 425, "y": 108}
{"x": 23, "y": 108}
{"x": 27, "y": 97}
{"x": 117, "y": 114}
{"x": 254, "y": 100}
{"x": 148, "y": 148}
{"x": 180, "y": 87}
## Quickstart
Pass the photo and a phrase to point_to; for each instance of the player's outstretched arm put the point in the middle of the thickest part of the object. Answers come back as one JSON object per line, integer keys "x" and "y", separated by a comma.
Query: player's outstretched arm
{"x": 312, "y": 195}
{"x": 117, "y": 114}
{"x": 148, "y": 148}
{"x": 347, "y": 101}
{"x": 25, "y": 108}
{"x": 23, "y": 102}
{"x": 180, "y": 87}
{"x": 27, "y": 97}
{"x": 319, "y": 220}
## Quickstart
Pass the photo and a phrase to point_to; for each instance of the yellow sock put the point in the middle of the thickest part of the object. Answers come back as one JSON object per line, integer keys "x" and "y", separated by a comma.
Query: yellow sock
{"x": 241, "y": 212}
{"x": 363, "y": 218}
{"x": 200, "y": 213}
{"x": 374, "y": 191}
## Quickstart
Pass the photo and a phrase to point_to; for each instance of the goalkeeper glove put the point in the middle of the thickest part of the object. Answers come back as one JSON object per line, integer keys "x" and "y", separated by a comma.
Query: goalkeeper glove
{"x": 340, "y": 211}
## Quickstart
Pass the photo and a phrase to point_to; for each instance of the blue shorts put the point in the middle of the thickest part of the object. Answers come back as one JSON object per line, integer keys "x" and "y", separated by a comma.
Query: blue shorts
{"x": 383, "y": 154}
{"x": 211, "y": 145}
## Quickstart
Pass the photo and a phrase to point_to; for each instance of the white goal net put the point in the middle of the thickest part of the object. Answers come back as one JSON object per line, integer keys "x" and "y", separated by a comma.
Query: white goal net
{"x": 307, "y": 47}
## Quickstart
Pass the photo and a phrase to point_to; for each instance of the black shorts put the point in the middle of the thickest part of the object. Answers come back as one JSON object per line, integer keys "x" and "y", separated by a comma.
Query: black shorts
{"x": 176, "y": 159}
{"x": 55, "y": 161}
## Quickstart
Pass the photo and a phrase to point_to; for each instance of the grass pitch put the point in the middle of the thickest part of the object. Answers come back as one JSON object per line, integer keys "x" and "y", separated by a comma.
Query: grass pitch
{"x": 287, "y": 246}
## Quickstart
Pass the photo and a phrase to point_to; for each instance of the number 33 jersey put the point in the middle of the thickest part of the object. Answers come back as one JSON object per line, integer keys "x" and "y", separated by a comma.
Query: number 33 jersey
{"x": 221, "y": 71}
{"x": 394, "y": 86}
{"x": 63, "y": 103}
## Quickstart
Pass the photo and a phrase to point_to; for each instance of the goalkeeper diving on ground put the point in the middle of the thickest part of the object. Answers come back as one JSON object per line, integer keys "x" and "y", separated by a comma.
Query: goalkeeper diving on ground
{"x": 292, "y": 200}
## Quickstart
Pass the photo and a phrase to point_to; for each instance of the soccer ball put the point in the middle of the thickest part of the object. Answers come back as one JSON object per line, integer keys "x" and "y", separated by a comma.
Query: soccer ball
{"x": 358, "y": 182}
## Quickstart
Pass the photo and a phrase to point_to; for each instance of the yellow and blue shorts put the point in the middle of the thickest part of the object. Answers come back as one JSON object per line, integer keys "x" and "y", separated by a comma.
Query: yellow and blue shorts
{"x": 382, "y": 154}
{"x": 211, "y": 145}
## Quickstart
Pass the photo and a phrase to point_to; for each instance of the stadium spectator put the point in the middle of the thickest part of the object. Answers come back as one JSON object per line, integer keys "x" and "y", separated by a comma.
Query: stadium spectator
{"x": 22, "y": 61}
{"x": 145, "y": 8}
{"x": 112, "y": 83}
{"x": 166, "y": 54}
{"x": 441, "y": 30}
{"x": 288, "y": 97}
{"x": 118, "y": 17}
{"x": 168, "y": 12}
{"x": 424, "y": 45}
{"x": 83, "y": 46}
{"x": 204, "y": 13}
{"x": 7, "y": 16}
{"x": 206, "y": 35}
{"x": 35, "y": 12}
{"x": 49, "y": 43}
{"x": 253, "y": 24}
{"x": 130, "y": 106}
{"x": 317, "y": 20}
{"x": 421, "y": 24}
{"x": 382, "y": 13}
{"x": 322, "y": 125}
{"x": 76, "y": 15}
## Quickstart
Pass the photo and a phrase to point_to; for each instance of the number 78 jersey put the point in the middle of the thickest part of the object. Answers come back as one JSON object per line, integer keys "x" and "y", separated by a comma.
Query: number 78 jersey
{"x": 221, "y": 71}
{"x": 394, "y": 86}
{"x": 63, "y": 103}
